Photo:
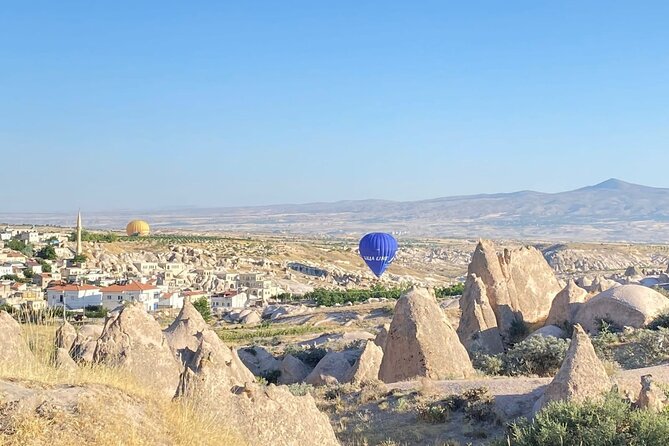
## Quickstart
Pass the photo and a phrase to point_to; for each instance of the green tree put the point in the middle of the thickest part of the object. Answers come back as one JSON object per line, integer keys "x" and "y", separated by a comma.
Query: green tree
{"x": 79, "y": 258}
{"x": 86, "y": 236}
{"x": 24, "y": 248}
{"x": 202, "y": 306}
{"x": 450, "y": 291}
{"x": 28, "y": 273}
{"x": 48, "y": 253}
{"x": 46, "y": 266}
{"x": 14, "y": 278}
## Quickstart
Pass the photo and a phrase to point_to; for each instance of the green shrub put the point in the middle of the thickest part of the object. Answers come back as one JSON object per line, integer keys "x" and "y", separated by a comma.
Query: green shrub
{"x": 660, "y": 321}
{"x": 435, "y": 412}
{"x": 609, "y": 423}
{"x": 648, "y": 348}
{"x": 46, "y": 266}
{"x": 477, "y": 404}
{"x": 202, "y": 306}
{"x": 271, "y": 377}
{"x": 492, "y": 365}
{"x": 310, "y": 355}
{"x": 518, "y": 330}
{"x": 536, "y": 355}
{"x": 95, "y": 311}
{"x": 450, "y": 291}
{"x": 300, "y": 389}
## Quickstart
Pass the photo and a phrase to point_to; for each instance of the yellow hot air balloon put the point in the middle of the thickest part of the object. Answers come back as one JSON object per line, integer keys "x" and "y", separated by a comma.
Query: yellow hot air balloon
{"x": 137, "y": 228}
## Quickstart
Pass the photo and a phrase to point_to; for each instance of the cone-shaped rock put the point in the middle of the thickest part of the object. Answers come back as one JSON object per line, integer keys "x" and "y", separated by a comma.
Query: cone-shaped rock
{"x": 181, "y": 333}
{"x": 132, "y": 339}
{"x": 292, "y": 370}
{"x": 65, "y": 336}
{"x": 478, "y": 324}
{"x": 582, "y": 375}
{"x": 367, "y": 367}
{"x": 421, "y": 342}
{"x": 519, "y": 284}
{"x": 216, "y": 383}
{"x": 334, "y": 368}
{"x": 566, "y": 304}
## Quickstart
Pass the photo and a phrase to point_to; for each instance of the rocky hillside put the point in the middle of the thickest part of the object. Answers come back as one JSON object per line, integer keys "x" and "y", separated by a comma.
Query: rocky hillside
{"x": 610, "y": 211}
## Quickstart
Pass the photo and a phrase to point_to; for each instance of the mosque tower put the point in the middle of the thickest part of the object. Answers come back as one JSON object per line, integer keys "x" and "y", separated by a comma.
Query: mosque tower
{"x": 79, "y": 233}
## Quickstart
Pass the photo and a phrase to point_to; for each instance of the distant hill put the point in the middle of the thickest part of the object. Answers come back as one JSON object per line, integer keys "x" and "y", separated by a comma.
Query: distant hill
{"x": 610, "y": 211}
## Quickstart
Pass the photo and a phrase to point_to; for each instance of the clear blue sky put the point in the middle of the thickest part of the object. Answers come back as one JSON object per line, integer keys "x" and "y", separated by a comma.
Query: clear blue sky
{"x": 157, "y": 104}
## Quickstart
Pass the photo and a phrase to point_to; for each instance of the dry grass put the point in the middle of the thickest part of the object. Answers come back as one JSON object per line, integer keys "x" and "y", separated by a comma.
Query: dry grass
{"x": 114, "y": 409}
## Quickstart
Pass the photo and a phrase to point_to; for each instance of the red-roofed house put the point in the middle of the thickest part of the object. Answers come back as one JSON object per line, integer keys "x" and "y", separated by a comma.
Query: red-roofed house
{"x": 115, "y": 295}
{"x": 74, "y": 296}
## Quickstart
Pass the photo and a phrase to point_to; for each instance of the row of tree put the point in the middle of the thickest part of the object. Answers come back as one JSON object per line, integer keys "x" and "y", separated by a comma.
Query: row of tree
{"x": 328, "y": 297}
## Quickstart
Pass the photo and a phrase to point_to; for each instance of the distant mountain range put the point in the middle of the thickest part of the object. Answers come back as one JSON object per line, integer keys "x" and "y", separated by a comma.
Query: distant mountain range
{"x": 610, "y": 211}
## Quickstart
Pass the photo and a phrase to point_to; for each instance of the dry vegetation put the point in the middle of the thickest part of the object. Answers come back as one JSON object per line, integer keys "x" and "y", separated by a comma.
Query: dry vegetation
{"x": 107, "y": 407}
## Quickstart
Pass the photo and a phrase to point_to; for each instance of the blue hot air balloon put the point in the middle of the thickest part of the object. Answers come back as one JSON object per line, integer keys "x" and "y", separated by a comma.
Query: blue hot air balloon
{"x": 378, "y": 250}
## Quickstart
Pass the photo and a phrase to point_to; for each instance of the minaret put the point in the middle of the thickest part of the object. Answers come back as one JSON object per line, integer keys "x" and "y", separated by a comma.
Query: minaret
{"x": 79, "y": 233}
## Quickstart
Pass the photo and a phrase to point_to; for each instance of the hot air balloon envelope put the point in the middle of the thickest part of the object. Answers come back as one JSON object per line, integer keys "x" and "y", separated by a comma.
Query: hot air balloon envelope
{"x": 378, "y": 250}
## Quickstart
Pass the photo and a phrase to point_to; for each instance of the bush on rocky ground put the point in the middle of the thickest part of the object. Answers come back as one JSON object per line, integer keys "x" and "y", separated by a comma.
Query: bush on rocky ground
{"x": 477, "y": 405}
{"x": 645, "y": 348}
{"x": 661, "y": 320}
{"x": 612, "y": 423}
{"x": 300, "y": 389}
{"x": 310, "y": 355}
{"x": 537, "y": 355}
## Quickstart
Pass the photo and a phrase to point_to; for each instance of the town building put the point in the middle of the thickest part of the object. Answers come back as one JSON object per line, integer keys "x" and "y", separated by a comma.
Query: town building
{"x": 75, "y": 297}
{"x": 308, "y": 269}
{"x": 146, "y": 268}
{"x": 171, "y": 300}
{"x": 6, "y": 269}
{"x": 132, "y": 292}
{"x": 230, "y": 299}
{"x": 195, "y": 295}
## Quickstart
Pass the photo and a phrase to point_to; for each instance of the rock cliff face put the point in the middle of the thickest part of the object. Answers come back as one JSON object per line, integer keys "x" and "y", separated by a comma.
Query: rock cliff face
{"x": 132, "y": 339}
{"x": 421, "y": 342}
{"x": 478, "y": 329}
{"x": 217, "y": 384}
{"x": 13, "y": 348}
{"x": 65, "y": 336}
{"x": 517, "y": 284}
{"x": 181, "y": 333}
{"x": 566, "y": 304}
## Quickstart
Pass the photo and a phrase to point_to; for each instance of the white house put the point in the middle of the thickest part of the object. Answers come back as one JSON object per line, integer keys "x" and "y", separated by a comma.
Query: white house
{"x": 173, "y": 268}
{"x": 146, "y": 268}
{"x": 74, "y": 296}
{"x": 6, "y": 269}
{"x": 230, "y": 300}
{"x": 257, "y": 285}
{"x": 115, "y": 295}
{"x": 170, "y": 300}
{"x": 29, "y": 237}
